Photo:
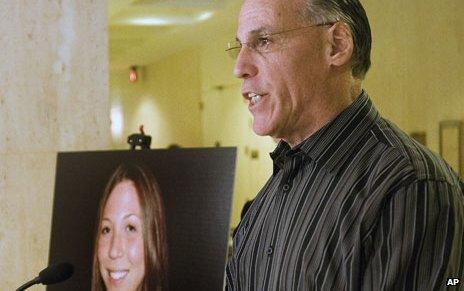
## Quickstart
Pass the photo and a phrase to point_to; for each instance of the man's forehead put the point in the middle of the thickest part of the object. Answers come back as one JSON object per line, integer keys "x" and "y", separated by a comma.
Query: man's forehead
{"x": 257, "y": 15}
{"x": 270, "y": 8}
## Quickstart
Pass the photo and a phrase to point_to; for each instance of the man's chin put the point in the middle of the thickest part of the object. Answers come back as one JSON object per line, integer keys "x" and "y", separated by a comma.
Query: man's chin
{"x": 262, "y": 129}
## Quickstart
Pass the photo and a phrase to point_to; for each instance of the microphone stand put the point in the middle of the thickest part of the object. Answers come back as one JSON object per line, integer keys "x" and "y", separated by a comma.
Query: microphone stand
{"x": 34, "y": 281}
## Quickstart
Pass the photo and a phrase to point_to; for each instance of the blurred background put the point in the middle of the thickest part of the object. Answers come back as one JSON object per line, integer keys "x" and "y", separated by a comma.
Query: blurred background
{"x": 84, "y": 74}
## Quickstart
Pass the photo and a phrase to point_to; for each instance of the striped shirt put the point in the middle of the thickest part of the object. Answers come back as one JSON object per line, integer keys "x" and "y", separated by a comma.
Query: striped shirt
{"x": 357, "y": 206}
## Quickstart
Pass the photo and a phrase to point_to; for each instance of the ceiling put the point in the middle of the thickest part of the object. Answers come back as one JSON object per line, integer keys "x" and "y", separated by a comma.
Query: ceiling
{"x": 142, "y": 32}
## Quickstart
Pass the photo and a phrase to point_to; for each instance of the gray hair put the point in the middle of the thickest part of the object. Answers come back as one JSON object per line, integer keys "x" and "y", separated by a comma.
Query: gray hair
{"x": 353, "y": 14}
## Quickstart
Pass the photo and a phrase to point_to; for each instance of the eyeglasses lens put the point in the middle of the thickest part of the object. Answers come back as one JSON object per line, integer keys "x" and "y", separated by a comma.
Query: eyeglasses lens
{"x": 233, "y": 49}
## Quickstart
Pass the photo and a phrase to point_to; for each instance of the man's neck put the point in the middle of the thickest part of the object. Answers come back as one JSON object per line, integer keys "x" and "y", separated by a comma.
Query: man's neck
{"x": 324, "y": 114}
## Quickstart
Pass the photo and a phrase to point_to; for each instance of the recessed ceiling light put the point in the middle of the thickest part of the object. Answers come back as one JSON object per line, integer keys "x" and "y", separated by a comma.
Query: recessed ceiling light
{"x": 205, "y": 15}
{"x": 170, "y": 19}
{"x": 150, "y": 21}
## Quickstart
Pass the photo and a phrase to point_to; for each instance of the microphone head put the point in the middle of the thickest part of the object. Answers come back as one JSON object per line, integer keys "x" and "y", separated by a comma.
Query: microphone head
{"x": 56, "y": 273}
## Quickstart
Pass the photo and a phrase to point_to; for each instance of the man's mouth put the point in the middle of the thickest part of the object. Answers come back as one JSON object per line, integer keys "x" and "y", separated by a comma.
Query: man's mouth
{"x": 254, "y": 98}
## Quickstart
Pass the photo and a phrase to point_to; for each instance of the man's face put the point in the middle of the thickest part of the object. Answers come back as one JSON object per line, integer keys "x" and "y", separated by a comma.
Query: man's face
{"x": 288, "y": 76}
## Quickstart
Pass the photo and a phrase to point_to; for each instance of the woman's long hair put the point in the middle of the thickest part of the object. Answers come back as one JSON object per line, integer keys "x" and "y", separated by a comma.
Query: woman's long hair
{"x": 154, "y": 227}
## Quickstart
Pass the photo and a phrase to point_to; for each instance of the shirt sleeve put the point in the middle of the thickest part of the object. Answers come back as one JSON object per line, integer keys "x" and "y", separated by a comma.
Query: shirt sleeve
{"x": 418, "y": 241}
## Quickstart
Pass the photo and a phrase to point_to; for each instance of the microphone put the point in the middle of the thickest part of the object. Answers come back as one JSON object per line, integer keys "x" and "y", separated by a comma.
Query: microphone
{"x": 53, "y": 274}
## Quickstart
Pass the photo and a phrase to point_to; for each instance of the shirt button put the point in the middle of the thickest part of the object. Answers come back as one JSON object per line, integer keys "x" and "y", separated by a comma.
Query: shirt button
{"x": 269, "y": 251}
{"x": 286, "y": 187}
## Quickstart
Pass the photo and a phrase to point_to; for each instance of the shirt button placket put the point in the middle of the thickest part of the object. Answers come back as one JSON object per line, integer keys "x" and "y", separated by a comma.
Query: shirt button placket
{"x": 286, "y": 187}
{"x": 270, "y": 251}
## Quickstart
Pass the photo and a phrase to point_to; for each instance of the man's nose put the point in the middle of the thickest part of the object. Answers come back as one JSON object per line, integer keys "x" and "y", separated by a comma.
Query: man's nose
{"x": 245, "y": 66}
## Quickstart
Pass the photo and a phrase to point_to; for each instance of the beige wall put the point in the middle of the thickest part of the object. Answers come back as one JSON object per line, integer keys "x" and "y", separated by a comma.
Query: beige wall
{"x": 417, "y": 77}
{"x": 53, "y": 97}
{"x": 166, "y": 100}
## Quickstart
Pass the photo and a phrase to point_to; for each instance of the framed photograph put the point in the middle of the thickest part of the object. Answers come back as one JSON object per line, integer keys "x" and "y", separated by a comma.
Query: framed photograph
{"x": 176, "y": 204}
{"x": 451, "y": 144}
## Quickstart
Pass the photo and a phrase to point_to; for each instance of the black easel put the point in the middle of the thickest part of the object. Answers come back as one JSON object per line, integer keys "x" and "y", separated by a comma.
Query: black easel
{"x": 139, "y": 139}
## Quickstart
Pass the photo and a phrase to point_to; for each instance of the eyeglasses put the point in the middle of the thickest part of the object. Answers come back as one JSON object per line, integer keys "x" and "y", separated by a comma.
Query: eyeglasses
{"x": 263, "y": 43}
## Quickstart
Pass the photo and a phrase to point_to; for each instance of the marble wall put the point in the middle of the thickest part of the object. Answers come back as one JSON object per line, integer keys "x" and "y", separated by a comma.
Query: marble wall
{"x": 53, "y": 97}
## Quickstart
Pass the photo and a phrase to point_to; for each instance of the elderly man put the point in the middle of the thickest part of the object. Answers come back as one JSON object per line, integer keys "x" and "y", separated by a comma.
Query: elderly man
{"x": 353, "y": 203}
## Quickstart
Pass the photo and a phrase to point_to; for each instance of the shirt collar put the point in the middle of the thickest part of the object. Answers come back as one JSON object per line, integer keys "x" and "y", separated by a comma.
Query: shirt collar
{"x": 279, "y": 155}
{"x": 329, "y": 144}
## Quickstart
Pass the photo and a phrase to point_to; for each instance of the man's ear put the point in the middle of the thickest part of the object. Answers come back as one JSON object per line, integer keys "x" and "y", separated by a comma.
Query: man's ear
{"x": 341, "y": 44}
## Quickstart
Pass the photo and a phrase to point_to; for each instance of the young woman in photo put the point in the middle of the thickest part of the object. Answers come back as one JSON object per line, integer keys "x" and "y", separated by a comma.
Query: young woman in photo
{"x": 130, "y": 251}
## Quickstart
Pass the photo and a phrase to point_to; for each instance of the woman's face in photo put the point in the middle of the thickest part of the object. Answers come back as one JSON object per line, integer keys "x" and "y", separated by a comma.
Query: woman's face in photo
{"x": 120, "y": 248}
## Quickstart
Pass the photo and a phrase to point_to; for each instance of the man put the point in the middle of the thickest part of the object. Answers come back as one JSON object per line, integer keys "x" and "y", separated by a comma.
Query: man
{"x": 353, "y": 202}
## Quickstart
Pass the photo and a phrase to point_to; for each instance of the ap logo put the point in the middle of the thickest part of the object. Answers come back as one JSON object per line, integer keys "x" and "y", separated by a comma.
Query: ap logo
{"x": 452, "y": 282}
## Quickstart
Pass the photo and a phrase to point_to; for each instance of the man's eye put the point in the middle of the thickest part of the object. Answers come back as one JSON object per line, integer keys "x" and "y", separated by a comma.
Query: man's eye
{"x": 263, "y": 42}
